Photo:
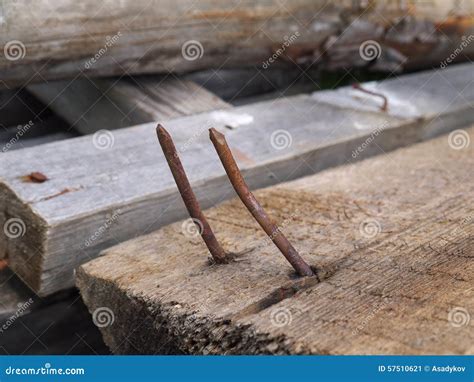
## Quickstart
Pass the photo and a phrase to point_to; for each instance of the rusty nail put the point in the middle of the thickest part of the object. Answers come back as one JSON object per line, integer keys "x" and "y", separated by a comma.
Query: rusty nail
{"x": 257, "y": 211}
{"x": 188, "y": 196}
{"x": 384, "y": 107}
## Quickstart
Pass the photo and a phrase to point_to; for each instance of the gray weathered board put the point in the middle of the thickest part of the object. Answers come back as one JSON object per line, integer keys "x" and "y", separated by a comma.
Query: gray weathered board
{"x": 120, "y": 187}
{"x": 93, "y": 104}
{"x": 391, "y": 239}
{"x": 66, "y": 38}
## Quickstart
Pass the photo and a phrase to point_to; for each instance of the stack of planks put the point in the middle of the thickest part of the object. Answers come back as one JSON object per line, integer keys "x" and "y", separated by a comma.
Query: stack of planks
{"x": 64, "y": 202}
{"x": 100, "y": 192}
{"x": 391, "y": 239}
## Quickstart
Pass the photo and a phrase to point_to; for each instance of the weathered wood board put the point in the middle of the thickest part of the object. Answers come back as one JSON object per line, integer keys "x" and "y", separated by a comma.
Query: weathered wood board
{"x": 66, "y": 39}
{"x": 391, "y": 238}
{"x": 106, "y": 189}
{"x": 94, "y": 104}
{"x": 58, "y": 324}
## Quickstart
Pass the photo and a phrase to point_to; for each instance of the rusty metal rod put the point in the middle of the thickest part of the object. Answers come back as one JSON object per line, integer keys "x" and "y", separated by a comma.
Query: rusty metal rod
{"x": 188, "y": 196}
{"x": 384, "y": 107}
{"x": 249, "y": 200}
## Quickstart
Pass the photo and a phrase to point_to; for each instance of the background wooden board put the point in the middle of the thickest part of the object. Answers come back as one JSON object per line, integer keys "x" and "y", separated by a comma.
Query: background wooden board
{"x": 109, "y": 188}
{"x": 66, "y": 39}
{"x": 391, "y": 238}
{"x": 94, "y": 104}
{"x": 148, "y": 36}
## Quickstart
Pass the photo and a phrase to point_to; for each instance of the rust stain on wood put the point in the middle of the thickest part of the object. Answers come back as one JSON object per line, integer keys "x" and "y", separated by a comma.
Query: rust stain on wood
{"x": 34, "y": 177}
{"x": 62, "y": 192}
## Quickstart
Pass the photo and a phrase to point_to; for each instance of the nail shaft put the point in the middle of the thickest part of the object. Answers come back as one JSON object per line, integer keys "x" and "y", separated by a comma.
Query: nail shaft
{"x": 384, "y": 107}
{"x": 249, "y": 200}
{"x": 188, "y": 196}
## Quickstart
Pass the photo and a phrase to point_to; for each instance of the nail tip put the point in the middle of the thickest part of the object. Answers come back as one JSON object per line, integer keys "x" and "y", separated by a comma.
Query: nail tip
{"x": 216, "y": 134}
{"x": 162, "y": 132}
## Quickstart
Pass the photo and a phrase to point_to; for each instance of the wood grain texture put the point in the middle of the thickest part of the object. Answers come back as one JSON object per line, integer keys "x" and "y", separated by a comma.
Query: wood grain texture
{"x": 107, "y": 189}
{"x": 93, "y": 104}
{"x": 147, "y": 36}
{"x": 66, "y": 39}
{"x": 391, "y": 238}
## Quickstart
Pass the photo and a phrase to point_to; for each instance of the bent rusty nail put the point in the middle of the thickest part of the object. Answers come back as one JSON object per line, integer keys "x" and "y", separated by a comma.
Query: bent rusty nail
{"x": 188, "y": 196}
{"x": 384, "y": 107}
{"x": 249, "y": 200}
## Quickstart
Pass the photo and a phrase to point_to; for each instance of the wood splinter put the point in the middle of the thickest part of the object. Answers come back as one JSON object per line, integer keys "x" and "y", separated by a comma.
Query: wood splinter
{"x": 189, "y": 198}
{"x": 257, "y": 211}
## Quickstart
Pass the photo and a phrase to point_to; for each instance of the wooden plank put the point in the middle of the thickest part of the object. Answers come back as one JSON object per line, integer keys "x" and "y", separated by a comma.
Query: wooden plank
{"x": 391, "y": 239}
{"x": 113, "y": 187}
{"x": 91, "y": 105}
{"x": 66, "y": 39}
{"x": 58, "y": 324}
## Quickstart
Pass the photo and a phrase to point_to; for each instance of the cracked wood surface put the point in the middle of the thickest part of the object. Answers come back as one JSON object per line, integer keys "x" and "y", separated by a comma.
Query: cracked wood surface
{"x": 391, "y": 238}
{"x": 96, "y": 198}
